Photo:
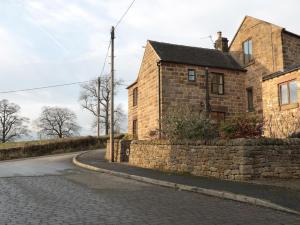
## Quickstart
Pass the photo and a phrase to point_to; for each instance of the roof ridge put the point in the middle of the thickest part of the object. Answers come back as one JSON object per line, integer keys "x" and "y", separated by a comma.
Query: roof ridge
{"x": 188, "y": 46}
{"x": 194, "y": 55}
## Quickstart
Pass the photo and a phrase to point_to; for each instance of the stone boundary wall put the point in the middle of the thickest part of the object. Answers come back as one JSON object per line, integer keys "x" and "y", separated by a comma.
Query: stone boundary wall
{"x": 239, "y": 159}
{"x": 121, "y": 147}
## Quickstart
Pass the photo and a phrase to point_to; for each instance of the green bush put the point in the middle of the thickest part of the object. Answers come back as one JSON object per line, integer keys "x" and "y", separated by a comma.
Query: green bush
{"x": 242, "y": 126}
{"x": 184, "y": 124}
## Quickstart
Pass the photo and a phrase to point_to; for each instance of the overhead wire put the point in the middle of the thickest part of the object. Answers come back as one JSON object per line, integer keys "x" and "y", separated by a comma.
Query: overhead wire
{"x": 44, "y": 87}
{"x": 79, "y": 82}
{"x": 124, "y": 14}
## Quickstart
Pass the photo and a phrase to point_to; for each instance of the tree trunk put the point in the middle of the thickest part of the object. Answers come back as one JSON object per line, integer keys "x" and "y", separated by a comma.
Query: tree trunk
{"x": 3, "y": 135}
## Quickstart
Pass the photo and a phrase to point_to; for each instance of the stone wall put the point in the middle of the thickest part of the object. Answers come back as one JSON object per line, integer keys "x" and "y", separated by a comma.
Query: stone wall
{"x": 272, "y": 109}
{"x": 267, "y": 54}
{"x": 132, "y": 110}
{"x": 291, "y": 49}
{"x": 121, "y": 150}
{"x": 178, "y": 91}
{"x": 239, "y": 159}
{"x": 146, "y": 111}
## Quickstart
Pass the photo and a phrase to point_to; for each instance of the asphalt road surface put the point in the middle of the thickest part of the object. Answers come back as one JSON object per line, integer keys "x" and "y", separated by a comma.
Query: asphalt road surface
{"x": 51, "y": 190}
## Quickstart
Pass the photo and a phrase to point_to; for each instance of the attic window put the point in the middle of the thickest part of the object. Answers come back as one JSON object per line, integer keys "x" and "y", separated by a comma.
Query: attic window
{"x": 191, "y": 75}
{"x": 247, "y": 50}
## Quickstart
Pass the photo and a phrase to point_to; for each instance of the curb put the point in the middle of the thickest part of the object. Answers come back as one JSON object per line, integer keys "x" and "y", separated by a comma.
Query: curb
{"x": 205, "y": 191}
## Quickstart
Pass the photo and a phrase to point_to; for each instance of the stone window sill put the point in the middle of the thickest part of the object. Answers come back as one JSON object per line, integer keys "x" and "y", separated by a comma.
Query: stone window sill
{"x": 194, "y": 83}
{"x": 217, "y": 95}
{"x": 289, "y": 106}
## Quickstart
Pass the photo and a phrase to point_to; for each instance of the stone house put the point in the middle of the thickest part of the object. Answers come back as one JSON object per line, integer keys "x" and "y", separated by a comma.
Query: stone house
{"x": 243, "y": 77}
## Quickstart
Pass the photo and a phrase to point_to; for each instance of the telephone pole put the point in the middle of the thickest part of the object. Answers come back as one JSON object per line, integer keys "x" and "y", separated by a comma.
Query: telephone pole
{"x": 98, "y": 106}
{"x": 112, "y": 36}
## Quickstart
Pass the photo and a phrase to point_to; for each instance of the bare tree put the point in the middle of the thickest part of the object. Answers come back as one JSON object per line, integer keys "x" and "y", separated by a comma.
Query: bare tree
{"x": 57, "y": 122}
{"x": 89, "y": 98}
{"x": 12, "y": 125}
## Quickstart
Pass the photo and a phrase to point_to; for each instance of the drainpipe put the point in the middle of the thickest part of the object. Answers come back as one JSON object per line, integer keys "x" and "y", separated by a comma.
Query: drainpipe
{"x": 159, "y": 98}
{"x": 207, "y": 104}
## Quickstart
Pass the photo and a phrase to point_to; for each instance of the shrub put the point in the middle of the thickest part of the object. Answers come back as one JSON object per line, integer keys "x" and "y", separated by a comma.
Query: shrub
{"x": 184, "y": 124}
{"x": 47, "y": 147}
{"x": 242, "y": 126}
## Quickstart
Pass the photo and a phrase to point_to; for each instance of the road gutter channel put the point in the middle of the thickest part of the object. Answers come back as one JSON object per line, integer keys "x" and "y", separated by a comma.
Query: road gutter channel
{"x": 205, "y": 191}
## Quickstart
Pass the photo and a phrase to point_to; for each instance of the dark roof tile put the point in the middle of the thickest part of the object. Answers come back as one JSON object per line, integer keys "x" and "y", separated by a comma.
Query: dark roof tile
{"x": 195, "y": 56}
{"x": 282, "y": 72}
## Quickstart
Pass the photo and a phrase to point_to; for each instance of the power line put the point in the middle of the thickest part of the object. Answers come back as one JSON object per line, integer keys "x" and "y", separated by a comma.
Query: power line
{"x": 105, "y": 59}
{"x": 80, "y": 82}
{"x": 45, "y": 87}
{"x": 122, "y": 17}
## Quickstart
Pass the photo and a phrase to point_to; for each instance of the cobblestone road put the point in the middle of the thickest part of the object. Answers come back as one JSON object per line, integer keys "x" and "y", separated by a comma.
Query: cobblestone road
{"x": 64, "y": 194}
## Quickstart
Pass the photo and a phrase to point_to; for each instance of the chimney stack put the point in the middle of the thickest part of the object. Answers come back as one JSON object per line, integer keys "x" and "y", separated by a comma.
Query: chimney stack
{"x": 221, "y": 43}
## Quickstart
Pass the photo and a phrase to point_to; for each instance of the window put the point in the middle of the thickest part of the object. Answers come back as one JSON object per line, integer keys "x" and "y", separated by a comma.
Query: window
{"x": 217, "y": 117}
{"x": 134, "y": 128}
{"x": 250, "y": 99}
{"x": 288, "y": 93}
{"x": 247, "y": 49}
{"x": 191, "y": 75}
{"x": 217, "y": 83}
{"x": 135, "y": 96}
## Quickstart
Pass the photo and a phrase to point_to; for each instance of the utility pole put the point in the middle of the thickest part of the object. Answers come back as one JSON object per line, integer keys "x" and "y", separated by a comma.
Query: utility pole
{"x": 98, "y": 106}
{"x": 112, "y": 34}
{"x": 207, "y": 105}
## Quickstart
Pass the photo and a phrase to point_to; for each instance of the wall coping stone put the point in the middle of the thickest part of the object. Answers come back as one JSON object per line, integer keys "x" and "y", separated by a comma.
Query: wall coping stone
{"x": 225, "y": 142}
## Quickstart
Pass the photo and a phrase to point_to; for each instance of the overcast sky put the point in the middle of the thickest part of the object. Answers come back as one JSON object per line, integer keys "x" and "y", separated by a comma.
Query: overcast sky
{"x": 46, "y": 42}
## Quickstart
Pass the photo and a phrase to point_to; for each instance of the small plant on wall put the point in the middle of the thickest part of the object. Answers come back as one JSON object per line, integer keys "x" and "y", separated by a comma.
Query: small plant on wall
{"x": 242, "y": 126}
{"x": 185, "y": 124}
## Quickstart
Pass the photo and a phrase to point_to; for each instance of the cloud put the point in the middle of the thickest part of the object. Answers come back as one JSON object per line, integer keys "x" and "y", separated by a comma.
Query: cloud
{"x": 60, "y": 41}
{"x": 13, "y": 50}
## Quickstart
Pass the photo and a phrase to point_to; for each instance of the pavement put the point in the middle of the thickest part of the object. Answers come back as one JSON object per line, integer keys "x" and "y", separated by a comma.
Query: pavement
{"x": 287, "y": 197}
{"x": 50, "y": 190}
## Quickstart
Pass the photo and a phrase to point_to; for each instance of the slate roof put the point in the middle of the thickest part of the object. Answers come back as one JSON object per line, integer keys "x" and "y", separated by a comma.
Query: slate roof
{"x": 282, "y": 72}
{"x": 195, "y": 56}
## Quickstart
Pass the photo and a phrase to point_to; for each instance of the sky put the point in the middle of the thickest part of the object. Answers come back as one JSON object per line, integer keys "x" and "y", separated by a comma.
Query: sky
{"x": 49, "y": 42}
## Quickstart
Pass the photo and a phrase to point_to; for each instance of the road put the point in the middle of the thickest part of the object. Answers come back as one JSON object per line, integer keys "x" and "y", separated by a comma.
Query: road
{"x": 51, "y": 190}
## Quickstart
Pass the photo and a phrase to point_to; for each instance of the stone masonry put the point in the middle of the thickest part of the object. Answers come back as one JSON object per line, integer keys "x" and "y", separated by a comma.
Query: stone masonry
{"x": 146, "y": 111}
{"x": 291, "y": 49}
{"x": 121, "y": 150}
{"x": 177, "y": 91}
{"x": 267, "y": 53}
{"x": 235, "y": 160}
{"x": 271, "y": 102}
{"x": 273, "y": 48}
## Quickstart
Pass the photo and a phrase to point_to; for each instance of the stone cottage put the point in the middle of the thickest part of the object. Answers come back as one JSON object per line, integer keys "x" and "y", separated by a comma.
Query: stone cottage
{"x": 261, "y": 65}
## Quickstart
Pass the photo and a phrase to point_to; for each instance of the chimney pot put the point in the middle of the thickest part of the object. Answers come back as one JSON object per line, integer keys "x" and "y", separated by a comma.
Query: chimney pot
{"x": 221, "y": 43}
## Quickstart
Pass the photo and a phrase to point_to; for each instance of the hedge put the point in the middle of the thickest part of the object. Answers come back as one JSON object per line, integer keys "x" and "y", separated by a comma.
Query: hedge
{"x": 53, "y": 147}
